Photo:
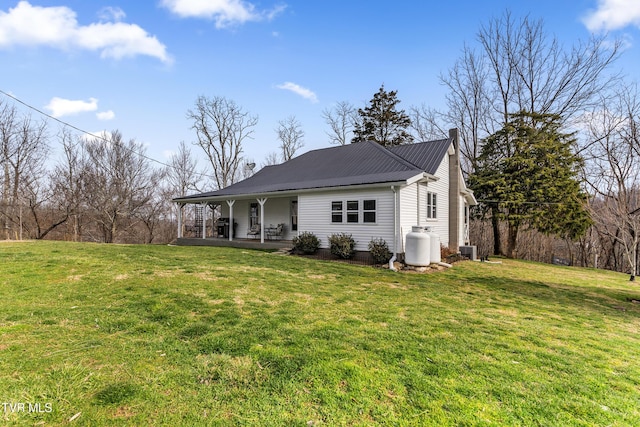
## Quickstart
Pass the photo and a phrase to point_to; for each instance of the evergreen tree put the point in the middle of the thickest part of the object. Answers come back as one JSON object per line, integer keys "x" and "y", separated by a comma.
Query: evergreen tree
{"x": 381, "y": 122}
{"x": 527, "y": 176}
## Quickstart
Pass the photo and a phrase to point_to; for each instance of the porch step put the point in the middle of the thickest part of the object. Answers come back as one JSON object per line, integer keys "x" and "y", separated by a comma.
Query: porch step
{"x": 283, "y": 251}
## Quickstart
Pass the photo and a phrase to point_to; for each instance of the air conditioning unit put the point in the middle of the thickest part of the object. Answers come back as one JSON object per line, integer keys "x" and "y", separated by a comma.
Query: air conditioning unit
{"x": 470, "y": 252}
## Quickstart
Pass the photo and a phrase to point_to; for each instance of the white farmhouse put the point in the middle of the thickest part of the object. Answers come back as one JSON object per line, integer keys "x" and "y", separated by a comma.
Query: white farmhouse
{"x": 363, "y": 189}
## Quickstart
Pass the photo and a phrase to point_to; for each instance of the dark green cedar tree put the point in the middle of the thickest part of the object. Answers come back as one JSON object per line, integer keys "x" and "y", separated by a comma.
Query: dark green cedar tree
{"x": 527, "y": 175}
{"x": 381, "y": 122}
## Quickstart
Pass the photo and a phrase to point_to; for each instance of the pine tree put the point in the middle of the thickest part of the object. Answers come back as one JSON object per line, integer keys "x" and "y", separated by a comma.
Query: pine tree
{"x": 381, "y": 122}
{"x": 527, "y": 176}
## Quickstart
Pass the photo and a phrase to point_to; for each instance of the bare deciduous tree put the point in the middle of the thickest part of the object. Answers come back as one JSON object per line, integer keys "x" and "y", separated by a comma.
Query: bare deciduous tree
{"x": 426, "y": 124}
{"x": 271, "y": 160}
{"x": 67, "y": 181}
{"x": 156, "y": 210}
{"x": 119, "y": 182}
{"x": 291, "y": 137}
{"x": 221, "y": 127}
{"x": 613, "y": 172}
{"x": 24, "y": 148}
{"x": 183, "y": 175}
{"x": 519, "y": 67}
{"x": 468, "y": 103}
{"x": 341, "y": 120}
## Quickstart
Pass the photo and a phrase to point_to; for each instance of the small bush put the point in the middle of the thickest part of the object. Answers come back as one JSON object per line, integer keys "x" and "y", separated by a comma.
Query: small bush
{"x": 379, "y": 251}
{"x": 445, "y": 252}
{"x": 342, "y": 245}
{"x": 306, "y": 242}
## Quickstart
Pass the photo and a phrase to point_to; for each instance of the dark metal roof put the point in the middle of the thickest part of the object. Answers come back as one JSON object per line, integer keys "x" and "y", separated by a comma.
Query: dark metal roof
{"x": 353, "y": 164}
{"x": 426, "y": 155}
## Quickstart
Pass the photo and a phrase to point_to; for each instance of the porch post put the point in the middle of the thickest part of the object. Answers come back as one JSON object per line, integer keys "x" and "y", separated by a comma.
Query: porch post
{"x": 180, "y": 206}
{"x": 230, "y": 203}
{"x": 262, "y": 202}
{"x": 213, "y": 219}
{"x": 204, "y": 220}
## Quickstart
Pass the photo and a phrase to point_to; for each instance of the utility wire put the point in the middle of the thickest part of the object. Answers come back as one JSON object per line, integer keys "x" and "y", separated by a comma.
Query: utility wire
{"x": 89, "y": 133}
{"x": 522, "y": 203}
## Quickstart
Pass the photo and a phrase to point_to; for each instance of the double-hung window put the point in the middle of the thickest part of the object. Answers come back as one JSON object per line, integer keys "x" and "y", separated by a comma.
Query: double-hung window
{"x": 355, "y": 211}
{"x": 336, "y": 211}
{"x": 432, "y": 205}
{"x": 369, "y": 211}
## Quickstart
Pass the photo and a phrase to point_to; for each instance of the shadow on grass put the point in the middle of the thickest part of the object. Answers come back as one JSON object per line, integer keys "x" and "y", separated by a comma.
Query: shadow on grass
{"x": 605, "y": 301}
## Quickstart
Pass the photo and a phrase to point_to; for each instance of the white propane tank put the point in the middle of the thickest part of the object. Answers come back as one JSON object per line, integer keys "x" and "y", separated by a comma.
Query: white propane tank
{"x": 434, "y": 249}
{"x": 417, "y": 247}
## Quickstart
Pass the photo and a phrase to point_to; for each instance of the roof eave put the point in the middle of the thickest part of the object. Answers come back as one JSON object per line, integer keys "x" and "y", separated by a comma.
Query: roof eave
{"x": 285, "y": 193}
{"x": 469, "y": 197}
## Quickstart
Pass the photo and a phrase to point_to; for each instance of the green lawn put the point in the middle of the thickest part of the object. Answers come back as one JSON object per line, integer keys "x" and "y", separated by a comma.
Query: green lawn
{"x": 156, "y": 335}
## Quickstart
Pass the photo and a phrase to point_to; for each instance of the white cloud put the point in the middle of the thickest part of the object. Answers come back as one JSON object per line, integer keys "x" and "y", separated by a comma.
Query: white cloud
{"x": 111, "y": 14}
{"x": 225, "y": 13}
{"x": 60, "y": 107}
{"x": 57, "y": 27}
{"x": 299, "y": 90}
{"x": 106, "y": 115}
{"x": 613, "y": 15}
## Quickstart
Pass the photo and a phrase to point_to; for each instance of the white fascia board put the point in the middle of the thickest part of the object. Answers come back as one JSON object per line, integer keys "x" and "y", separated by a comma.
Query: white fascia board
{"x": 423, "y": 177}
{"x": 469, "y": 197}
{"x": 290, "y": 193}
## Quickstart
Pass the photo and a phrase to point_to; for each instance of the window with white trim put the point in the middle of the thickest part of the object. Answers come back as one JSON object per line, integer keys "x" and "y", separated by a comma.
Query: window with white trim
{"x": 369, "y": 211}
{"x": 432, "y": 205}
{"x": 353, "y": 211}
{"x": 336, "y": 211}
{"x": 356, "y": 211}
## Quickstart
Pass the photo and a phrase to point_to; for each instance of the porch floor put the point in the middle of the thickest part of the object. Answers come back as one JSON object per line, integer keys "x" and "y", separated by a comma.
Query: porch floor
{"x": 235, "y": 243}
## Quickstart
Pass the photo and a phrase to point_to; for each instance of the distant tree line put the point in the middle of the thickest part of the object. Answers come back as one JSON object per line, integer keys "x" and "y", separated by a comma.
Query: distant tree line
{"x": 549, "y": 143}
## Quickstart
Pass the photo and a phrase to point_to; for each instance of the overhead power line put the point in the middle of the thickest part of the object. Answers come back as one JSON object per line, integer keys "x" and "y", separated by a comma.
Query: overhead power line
{"x": 513, "y": 202}
{"x": 92, "y": 135}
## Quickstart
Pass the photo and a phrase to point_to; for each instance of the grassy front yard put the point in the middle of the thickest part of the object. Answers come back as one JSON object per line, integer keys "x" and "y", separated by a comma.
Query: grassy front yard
{"x": 155, "y": 335}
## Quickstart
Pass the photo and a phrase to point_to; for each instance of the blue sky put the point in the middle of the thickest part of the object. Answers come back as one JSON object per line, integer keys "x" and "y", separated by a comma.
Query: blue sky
{"x": 139, "y": 66}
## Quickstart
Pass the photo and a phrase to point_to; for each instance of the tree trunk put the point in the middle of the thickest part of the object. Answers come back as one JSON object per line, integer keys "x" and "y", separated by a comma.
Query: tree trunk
{"x": 497, "y": 246}
{"x": 511, "y": 240}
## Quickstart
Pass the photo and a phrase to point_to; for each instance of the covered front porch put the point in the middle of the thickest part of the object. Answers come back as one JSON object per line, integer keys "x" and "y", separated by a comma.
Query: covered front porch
{"x": 252, "y": 222}
{"x": 235, "y": 243}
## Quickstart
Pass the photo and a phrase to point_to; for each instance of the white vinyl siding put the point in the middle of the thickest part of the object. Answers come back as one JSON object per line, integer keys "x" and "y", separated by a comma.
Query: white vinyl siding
{"x": 316, "y": 212}
{"x": 413, "y": 202}
{"x": 409, "y": 212}
{"x": 439, "y": 225}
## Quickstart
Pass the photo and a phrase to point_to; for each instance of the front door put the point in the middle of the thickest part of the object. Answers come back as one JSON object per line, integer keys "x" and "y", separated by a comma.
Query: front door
{"x": 254, "y": 214}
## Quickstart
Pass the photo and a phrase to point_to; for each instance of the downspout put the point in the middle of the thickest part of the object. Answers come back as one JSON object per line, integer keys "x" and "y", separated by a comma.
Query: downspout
{"x": 395, "y": 229}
